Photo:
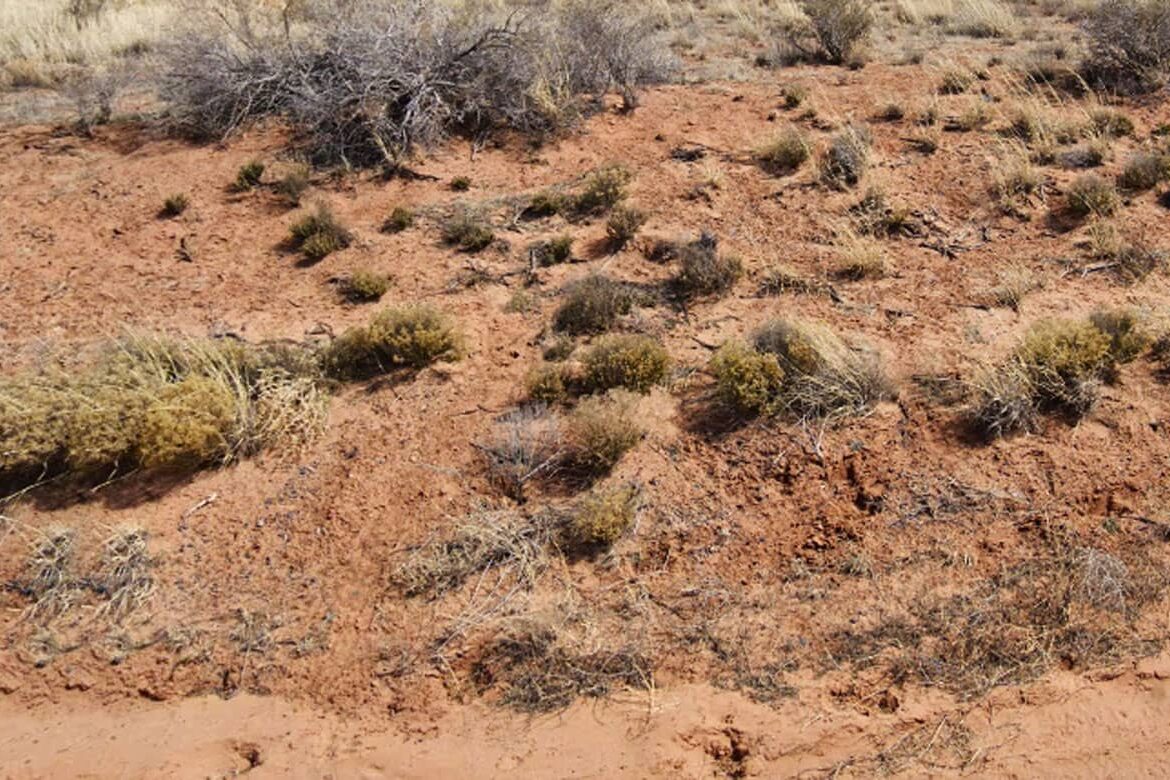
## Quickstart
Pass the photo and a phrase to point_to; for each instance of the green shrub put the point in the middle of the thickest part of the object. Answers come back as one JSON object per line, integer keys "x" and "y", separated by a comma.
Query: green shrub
{"x": 546, "y": 384}
{"x": 786, "y": 152}
{"x": 364, "y": 286}
{"x": 547, "y": 204}
{"x": 553, "y": 251}
{"x": 248, "y": 176}
{"x": 602, "y": 517}
{"x": 593, "y": 305}
{"x": 748, "y": 381}
{"x": 703, "y": 271}
{"x": 319, "y": 234}
{"x": 1124, "y": 328}
{"x": 461, "y": 184}
{"x": 175, "y": 205}
{"x": 603, "y": 428}
{"x": 635, "y": 363}
{"x": 411, "y": 336}
{"x": 623, "y": 225}
{"x": 603, "y": 190}
{"x": 400, "y": 219}
{"x": 1111, "y": 123}
{"x": 1144, "y": 171}
{"x": 845, "y": 160}
{"x": 1089, "y": 194}
{"x": 469, "y": 231}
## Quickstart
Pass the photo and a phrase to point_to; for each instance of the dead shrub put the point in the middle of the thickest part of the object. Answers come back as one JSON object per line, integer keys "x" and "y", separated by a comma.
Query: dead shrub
{"x": 402, "y": 337}
{"x": 527, "y": 444}
{"x": 366, "y": 89}
{"x": 832, "y": 31}
{"x": 623, "y": 225}
{"x": 503, "y": 540}
{"x": 538, "y": 674}
{"x": 635, "y": 363}
{"x": 1091, "y": 195}
{"x": 1128, "y": 45}
{"x": 593, "y": 305}
{"x": 123, "y": 576}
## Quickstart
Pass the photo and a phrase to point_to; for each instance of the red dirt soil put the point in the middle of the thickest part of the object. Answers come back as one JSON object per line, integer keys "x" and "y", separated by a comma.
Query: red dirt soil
{"x": 304, "y": 542}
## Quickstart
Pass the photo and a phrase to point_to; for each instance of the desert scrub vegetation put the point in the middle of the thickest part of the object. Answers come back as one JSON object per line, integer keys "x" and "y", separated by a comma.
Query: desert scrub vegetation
{"x": 319, "y": 234}
{"x": 702, "y": 270}
{"x": 832, "y": 31}
{"x": 1128, "y": 45}
{"x": 800, "y": 369}
{"x": 366, "y": 89}
{"x": 553, "y": 251}
{"x": 1091, "y": 195}
{"x": 844, "y": 162}
{"x": 633, "y": 362}
{"x": 364, "y": 286}
{"x": 1144, "y": 170}
{"x": 623, "y": 225}
{"x": 601, "y": 429}
{"x": 860, "y": 257}
{"x": 601, "y": 518}
{"x": 786, "y": 152}
{"x": 174, "y": 205}
{"x": 412, "y": 336}
{"x": 401, "y": 218}
{"x": 1058, "y": 367}
{"x": 248, "y": 176}
{"x": 468, "y": 230}
{"x": 156, "y": 403}
{"x": 593, "y": 305}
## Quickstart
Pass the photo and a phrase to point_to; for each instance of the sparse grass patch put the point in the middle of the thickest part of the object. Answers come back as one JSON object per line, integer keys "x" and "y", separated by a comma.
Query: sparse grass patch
{"x": 1013, "y": 285}
{"x": 632, "y": 362}
{"x": 602, "y": 190}
{"x": 832, "y": 31}
{"x": 554, "y": 251}
{"x": 547, "y": 384}
{"x": 860, "y": 257}
{"x": 293, "y": 185}
{"x": 526, "y": 445}
{"x": 786, "y": 152}
{"x": 779, "y": 278}
{"x": 408, "y": 336}
{"x": 593, "y": 305}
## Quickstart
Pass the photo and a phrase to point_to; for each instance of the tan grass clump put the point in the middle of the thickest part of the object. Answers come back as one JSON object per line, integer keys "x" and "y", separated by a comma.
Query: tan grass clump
{"x": 602, "y": 517}
{"x": 786, "y": 152}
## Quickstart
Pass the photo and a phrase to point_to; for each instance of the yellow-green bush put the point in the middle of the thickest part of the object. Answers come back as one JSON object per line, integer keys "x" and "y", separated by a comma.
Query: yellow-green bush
{"x": 602, "y": 428}
{"x": 546, "y": 384}
{"x": 364, "y": 286}
{"x": 149, "y": 402}
{"x": 409, "y": 336}
{"x": 633, "y": 362}
{"x": 748, "y": 381}
{"x": 602, "y": 190}
{"x": 319, "y": 234}
{"x": 602, "y": 517}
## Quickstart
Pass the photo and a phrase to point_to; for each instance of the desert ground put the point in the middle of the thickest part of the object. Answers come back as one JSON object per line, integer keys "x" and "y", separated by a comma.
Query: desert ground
{"x": 646, "y": 392}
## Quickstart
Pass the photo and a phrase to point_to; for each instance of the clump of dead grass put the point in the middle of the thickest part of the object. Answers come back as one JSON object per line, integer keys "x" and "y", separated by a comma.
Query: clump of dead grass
{"x": 526, "y": 445}
{"x": 601, "y": 429}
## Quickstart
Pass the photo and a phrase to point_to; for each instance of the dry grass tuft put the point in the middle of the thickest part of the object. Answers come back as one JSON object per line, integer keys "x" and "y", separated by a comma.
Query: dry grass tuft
{"x": 602, "y": 429}
{"x": 786, "y": 152}
{"x": 703, "y": 270}
{"x": 601, "y": 518}
{"x": 527, "y": 445}
{"x": 847, "y": 157}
